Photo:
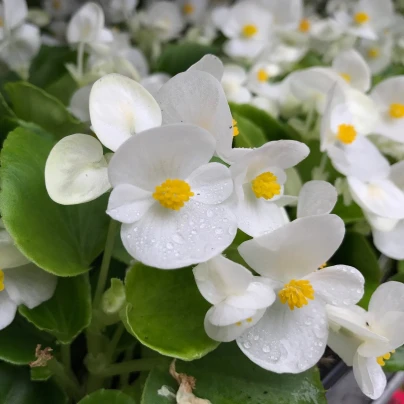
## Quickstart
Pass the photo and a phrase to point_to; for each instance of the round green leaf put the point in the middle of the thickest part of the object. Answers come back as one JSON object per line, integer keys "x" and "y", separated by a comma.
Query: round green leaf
{"x": 165, "y": 312}
{"x": 227, "y": 376}
{"x": 16, "y": 387}
{"x": 67, "y": 313}
{"x": 107, "y": 397}
{"x": 63, "y": 240}
{"x": 250, "y": 135}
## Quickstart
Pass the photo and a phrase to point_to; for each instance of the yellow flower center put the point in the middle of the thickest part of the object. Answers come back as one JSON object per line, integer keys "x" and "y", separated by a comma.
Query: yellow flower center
{"x": 295, "y": 293}
{"x": 373, "y": 53}
{"x": 265, "y": 186}
{"x": 188, "y": 8}
{"x": 1, "y": 22}
{"x": 173, "y": 194}
{"x": 346, "y": 77}
{"x": 56, "y": 4}
{"x": 262, "y": 75}
{"x": 249, "y": 30}
{"x": 346, "y": 133}
{"x": 249, "y": 320}
{"x": 1, "y": 280}
{"x": 304, "y": 25}
{"x": 381, "y": 359}
{"x": 361, "y": 17}
{"x": 236, "y": 132}
{"x": 396, "y": 110}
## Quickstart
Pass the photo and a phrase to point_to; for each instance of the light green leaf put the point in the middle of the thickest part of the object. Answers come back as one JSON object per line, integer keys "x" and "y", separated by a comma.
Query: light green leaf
{"x": 63, "y": 240}
{"x": 33, "y": 104}
{"x": 16, "y": 387}
{"x": 250, "y": 135}
{"x": 107, "y": 397}
{"x": 67, "y": 313}
{"x": 227, "y": 376}
{"x": 357, "y": 252}
{"x": 165, "y": 311}
{"x": 349, "y": 214}
{"x": 396, "y": 362}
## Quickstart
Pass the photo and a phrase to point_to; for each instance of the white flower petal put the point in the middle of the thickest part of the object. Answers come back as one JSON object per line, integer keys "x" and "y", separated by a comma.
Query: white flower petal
{"x": 15, "y": 12}
{"x": 397, "y": 174}
{"x": 210, "y": 64}
{"x": 387, "y": 297}
{"x": 344, "y": 345}
{"x": 29, "y": 285}
{"x": 119, "y": 108}
{"x": 7, "y": 310}
{"x": 288, "y": 341}
{"x": 223, "y": 314}
{"x": 76, "y": 170}
{"x": 79, "y": 103}
{"x": 10, "y": 255}
{"x": 339, "y": 285}
{"x": 316, "y": 198}
{"x": 128, "y": 203}
{"x": 296, "y": 249}
{"x": 153, "y": 156}
{"x": 390, "y": 243}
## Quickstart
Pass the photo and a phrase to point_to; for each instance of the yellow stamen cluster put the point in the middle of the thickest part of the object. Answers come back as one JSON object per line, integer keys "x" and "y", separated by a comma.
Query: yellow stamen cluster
{"x": 396, "y": 110}
{"x": 173, "y": 194}
{"x": 346, "y": 133}
{"x": 188, "y": 9}
{"x": 304, "y": 25}
{"x": 262, "y": 75}
{"x": 236, "y": 132}
{"x": 346, "y": 77}
{"x": 381, "y": 359}
{"x": 373, "y": 53}
{"x": 296, "y": 292}
{"x": 1, "y": 280}
{"x": 361, "y": 18}
{"x": 249, "y": 30}
{"x": 265, "y": 186}
{"x": 249, "y": 320}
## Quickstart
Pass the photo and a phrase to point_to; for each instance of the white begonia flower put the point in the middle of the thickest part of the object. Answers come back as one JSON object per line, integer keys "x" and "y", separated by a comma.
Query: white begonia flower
{"x": 173, "y": 203}
{"x": 19, "y": 42}
{"x": 286, "y": 14}
{"x": 119, "y": 108}
{"x": 233, "y": 81}
{"x": 193, "y": 10}
{"x": 367, "y": 19}
{"x": 271, "y": 107}
{"x": 165, "y": 19}
{"x": 79, "y": 103}
{"x": 365, "y": 339}
{"x": 258, "y": 80}
{"x": 197, "y": 97}
{"x": 59, "y": 9}
{"x": 76, "y": 170}
{"x": 117, "y": 11}
{"x": 389, "y": 99}
{"x": 239, "y": 299}
{"x": 247, "y": 25}
{"x": 210, "y": 64}
{"x": 259, "y": 179}
{"x": 21, "y": 282}
{"x": 292, "y": 335}
{"x": 87, "y": 26}
{"x": 154, "y": 82}
{"x": 352, "y": 67}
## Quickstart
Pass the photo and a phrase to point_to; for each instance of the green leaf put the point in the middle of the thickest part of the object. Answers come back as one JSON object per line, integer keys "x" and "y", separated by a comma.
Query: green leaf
{"x": 63, "y": 240}
{"x": 19, "y": 340}
{"x": 272, "y": 128}
{"x": 227, "y": 376}
{"x": 250, "y": 135}
{"x": 400, "y": 267}
{"x": 33, "y": 104}
{"x": 16, "y": 387}
{"x": 107, "y": 397}
{"x": 232, "y": 251}
{"x": 165, "y": 312}
{"x": 42, "y": 373}
{"x": 178, "y": 58}
{"x": 396, "y": 362}
{"x": 67, "y": 313}
{"x": 349, "y": 214}
{"x": 357, "y": 252}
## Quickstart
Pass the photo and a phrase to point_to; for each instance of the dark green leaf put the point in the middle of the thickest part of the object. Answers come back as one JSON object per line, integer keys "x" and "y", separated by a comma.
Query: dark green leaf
{"x": 250, "y": 135}
{"x": 396, "y": 362}
{"x": 67, "y": 313}
{"x": 227, "y": 376}
{"x": 165, "y": 312}
{"x": 63, "y": 88}
{"x": 63, "y": 240}
{"x": 232, "y": 251}
{"x": 349, "y": 214}
{"x": 107, "y": 397}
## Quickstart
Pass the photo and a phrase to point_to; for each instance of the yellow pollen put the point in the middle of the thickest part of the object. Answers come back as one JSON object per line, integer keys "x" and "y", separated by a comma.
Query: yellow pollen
{"x": 1, "y": 280}
{"x": 172, "y": 194}
{"x": 262, "y": 75}
{"x": 381, "y": 359}
{"x": 249, "y": 30}
{"x": 304, "y": 25}
{"x": 396, "y": 110}
{"x": 346, "y": 133}
{"x": 265, "y": 186}
{"x": 361, "y": 17}
{"x": 236, "y": 132}
{"x": 373, "y": 53}
{"x": 346, "y": 77}
{"x": 249, "y": 320}
{"x": 188, "y": 9}
{"x": 238, "y": 323}
{"x": 56, "y": 4}
{"x": 295, "y": 293}
{"x": 322, "y": 266}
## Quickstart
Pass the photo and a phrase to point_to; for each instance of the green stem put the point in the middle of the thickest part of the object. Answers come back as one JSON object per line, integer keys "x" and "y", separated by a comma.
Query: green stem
{"x": 124, "y": 378}
{"x": 106, "y": 259}
{"x": 80, "y": 60}
{"x": 115, "y": 340}
{"x": 66, "y": 356}
{"x": 65, "y": 380}
{"x": 323, "y": 161}
{"x": 136, "y": 365}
